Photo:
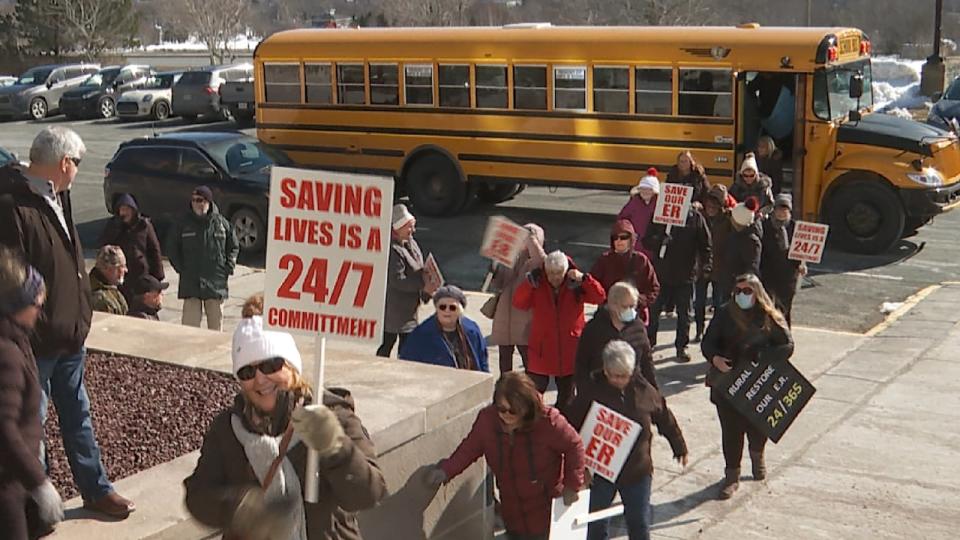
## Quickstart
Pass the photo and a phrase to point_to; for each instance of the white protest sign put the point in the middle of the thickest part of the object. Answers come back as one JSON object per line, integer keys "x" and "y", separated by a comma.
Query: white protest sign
{"x": 608, "y": 438}
{"x": 327, "y": 251}
{"x": 503, "y": 240}
{"x": 673, "y": 205}
{"x": 432, "y": 277}
{"x": 808, "y": 242}
{"x": 566, "y": 522}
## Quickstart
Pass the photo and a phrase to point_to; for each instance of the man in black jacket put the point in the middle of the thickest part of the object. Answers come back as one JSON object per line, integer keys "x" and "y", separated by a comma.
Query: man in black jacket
{"x": 36, "y": 220}
{"x": 683, "y": 247}
{"x": 779, "y": 274}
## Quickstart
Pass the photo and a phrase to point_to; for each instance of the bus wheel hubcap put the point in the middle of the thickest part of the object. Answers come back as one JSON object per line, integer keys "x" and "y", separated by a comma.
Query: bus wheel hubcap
{"x": 863, "y": 219}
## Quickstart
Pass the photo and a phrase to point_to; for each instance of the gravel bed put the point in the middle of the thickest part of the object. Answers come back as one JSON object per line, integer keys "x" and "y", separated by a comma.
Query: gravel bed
{"x": 144, "y": 413}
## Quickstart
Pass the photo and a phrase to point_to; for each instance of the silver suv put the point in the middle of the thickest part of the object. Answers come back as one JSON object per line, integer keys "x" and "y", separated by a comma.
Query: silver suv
{"x": 36, "y": 94}
{"x": 197, "y": 93}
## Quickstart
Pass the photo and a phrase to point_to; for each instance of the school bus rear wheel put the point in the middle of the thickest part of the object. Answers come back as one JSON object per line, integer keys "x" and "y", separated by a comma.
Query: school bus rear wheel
{"x": 866, "y": 217}
{"x": 435, "y": 186}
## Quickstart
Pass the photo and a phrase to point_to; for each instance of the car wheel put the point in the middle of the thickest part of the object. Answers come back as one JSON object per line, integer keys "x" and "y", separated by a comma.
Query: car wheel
{"x": 38, "y": 108}
{"x": 497, "y": 193}
{"x": 435, "y": 186}
{"x": 161, "y": 111}
{"x": 866, "y": 217}
{"x": 250, "y": 230}
{"x": 225, "y": 114}
{"x": 107, "y": 108}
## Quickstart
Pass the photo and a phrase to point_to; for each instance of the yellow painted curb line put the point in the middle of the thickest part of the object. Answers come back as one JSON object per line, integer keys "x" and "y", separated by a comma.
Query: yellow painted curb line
{"x": 908, "y": 304}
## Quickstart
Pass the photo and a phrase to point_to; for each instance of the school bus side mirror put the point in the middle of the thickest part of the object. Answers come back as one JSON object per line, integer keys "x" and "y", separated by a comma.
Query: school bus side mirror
{"x": 856, "y": 86}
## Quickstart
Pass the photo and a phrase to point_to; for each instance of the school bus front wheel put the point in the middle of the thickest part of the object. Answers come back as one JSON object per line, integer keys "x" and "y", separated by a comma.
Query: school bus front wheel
{"x": 865, "y": 217}
{"x": 435, "y": 186}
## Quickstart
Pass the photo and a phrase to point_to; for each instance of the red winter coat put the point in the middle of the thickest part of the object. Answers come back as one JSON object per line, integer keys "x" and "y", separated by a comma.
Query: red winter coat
{"x": 556, "y": 326}
{"x": 531, "y": 467}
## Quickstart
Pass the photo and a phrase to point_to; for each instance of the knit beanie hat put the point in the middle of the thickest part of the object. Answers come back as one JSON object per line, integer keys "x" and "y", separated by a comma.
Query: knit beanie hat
{"x": 401, "y": 216}
{"x": 450, "y": 291}
{"x": 749, "y": 162}
{"x": 784, "y": 199}
{"x": 23, "y": 296}
{"x": 650, "y": 180}
{"x": 204, "y": 192}
{"x": 252, "y": 345}
{"x": 125, "y": 199}
{"x": 742, "y": 215}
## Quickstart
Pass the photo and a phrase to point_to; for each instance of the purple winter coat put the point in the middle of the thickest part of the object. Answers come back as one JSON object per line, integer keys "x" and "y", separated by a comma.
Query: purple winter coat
{"x": 639, "y": 214}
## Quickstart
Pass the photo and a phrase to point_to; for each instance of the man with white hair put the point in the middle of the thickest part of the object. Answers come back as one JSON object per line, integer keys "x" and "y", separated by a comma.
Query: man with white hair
{"x": 557, "y": 305}
{"x": 36, "y": 221}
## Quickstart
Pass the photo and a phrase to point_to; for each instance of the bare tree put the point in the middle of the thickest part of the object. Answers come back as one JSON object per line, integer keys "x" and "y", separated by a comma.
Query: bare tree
{"x": 427, "y": 12}
{"x": 93, "y": 25}
{"x": 215, "y": 24}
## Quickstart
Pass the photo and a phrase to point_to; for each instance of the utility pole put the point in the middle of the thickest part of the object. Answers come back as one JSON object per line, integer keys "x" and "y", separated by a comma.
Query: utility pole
{"x": 933, "y": 74}
{"x": 809, "y": 12}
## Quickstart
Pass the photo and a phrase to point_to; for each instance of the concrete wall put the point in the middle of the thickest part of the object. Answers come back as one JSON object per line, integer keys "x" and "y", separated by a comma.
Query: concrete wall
{"x": 416, "y": 415}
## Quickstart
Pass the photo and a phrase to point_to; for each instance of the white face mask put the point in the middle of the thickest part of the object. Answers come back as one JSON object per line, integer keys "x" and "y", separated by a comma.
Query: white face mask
{"x": 745, "y": 301}
{"x": 628, "y": 315}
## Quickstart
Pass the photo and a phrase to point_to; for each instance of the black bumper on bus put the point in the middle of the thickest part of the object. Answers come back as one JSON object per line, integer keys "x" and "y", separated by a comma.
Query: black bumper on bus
{"x": 926, "y": 203}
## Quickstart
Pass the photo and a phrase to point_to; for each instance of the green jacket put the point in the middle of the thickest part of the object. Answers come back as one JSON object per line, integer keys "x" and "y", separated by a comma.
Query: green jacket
{"x": 203, "y": 250}
{"x": 105, "y": 297}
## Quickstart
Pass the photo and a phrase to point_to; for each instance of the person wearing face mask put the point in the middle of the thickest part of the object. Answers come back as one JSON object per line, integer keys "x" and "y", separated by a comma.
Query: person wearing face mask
{"x": 251, "y": 474}
{"x": 623, "y": 263}
{"x": 780, "y": 275}
{"x": 686, "y": 249}
{"x": 533, "y": 452}
{"x": 135, "y": 234}
{"x": 619, "y": 387}
{"x": 689, "y": 172}
{"x": 511, "y": 326}
{"x": 147, "y": 298}
{"x": 448, "y": 338}
{"x": 203, "y": 250}
{"x": 716, "y": 210}
{"x": 23, "y": 481}
{"x": 748, "y": 329}
{"x": 106, "y": 277}
{"x": 750, "y": 182}
{"x": 618, "y": 319}
{"x": 741, "y": 252}
{"x": 556, "y": 294}
{"x": 641, "y": 206}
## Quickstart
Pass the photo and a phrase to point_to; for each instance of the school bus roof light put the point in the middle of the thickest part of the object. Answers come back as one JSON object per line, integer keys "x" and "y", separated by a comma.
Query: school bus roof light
{"x": 832, "y": 54}
{"x": 865, "y": 48}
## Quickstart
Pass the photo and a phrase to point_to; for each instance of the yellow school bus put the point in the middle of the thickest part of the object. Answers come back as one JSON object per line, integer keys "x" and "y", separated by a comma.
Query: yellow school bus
{"x": 459, "y": 113}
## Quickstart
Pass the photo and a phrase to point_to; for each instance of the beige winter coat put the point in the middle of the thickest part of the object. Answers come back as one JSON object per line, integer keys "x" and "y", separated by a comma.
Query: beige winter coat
{"x": 511, "y": 326}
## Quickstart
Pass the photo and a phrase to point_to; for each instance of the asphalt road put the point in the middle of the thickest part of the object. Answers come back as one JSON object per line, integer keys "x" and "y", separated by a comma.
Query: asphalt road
{"x": 845, "y": 292}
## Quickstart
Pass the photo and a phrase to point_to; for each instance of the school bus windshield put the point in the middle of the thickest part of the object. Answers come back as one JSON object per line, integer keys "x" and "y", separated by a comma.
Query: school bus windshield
{"x": 831, "y": 90}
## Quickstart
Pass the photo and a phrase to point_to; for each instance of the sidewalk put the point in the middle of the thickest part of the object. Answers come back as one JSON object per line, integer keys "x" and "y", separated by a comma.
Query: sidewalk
{"x": 873, "y": 456}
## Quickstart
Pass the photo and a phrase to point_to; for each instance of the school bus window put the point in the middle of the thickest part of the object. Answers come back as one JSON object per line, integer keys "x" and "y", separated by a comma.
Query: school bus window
{"x": 611, "y": 89}
{"x": 492, "y": 87}
{"x": 319, "y": 83}
{"x": 831, "y": 90}
{"x": 384, "y": 84}
{"x": 454, "y": 82}
{"x": 418, "y": 84}
{"x": 570, "y": 88}
{"x": 281, "y": 83}
{"x": 350, "y": 84}
{"x": 705, "y": 92}
{"x": 530, "y": 87}
{"x": 654, "y": 91}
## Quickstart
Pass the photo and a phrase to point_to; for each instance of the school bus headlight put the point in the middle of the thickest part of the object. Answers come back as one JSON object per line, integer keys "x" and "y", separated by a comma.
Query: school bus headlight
{"x": 929, "y": 177}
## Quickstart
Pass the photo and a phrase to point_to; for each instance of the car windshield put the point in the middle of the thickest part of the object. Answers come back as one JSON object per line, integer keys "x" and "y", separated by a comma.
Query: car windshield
{"x": 5, "y": 157}
{"x": 159, "y": 81}
{"x": 34, "y": 76}
{"x": 245, "y": 156}
{"x": 953, "y": 93}
{"x": 101, "y": 78}
{"x": 831, "y": 90}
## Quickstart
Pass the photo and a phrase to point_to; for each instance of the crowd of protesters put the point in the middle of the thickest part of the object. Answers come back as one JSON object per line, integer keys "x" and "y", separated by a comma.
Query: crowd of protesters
{"x": 249, "y": 478}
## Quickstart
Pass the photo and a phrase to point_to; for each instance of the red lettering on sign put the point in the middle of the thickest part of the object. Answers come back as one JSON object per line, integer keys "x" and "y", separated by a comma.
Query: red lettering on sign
{"x": 315, "y": 281}
{"x": 591, "y": 449}
{"x": 606, "y": 454}
{"x": 287, "y": 196}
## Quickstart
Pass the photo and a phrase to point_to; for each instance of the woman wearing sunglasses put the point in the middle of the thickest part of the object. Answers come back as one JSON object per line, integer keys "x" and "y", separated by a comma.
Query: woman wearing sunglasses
{"x": 748, "y": 328}
{"x": 448, "y": 338}
{"x": 250, "y": 477}
{"x": 753, "y": 183}
{"x": 23, "y": 481}
{"x": 622, "y": 262}
{"x": 535, "y": 455}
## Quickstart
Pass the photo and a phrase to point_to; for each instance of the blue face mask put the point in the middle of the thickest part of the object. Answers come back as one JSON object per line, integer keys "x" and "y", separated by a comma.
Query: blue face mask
{"x": 628, "y": 315}
{"x": 745, "y": 301}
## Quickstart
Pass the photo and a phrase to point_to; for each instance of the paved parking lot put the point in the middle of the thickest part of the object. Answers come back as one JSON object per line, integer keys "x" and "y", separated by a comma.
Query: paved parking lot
{"x": 845, "y": 292}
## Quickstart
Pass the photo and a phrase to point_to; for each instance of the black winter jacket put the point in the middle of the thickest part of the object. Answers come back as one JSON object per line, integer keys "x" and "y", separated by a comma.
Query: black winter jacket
{"x": 686, "y": 247}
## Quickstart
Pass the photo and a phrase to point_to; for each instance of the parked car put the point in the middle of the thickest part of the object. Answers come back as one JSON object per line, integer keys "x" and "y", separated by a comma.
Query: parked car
{"x": 152, "y": 101}
{"x": 7, "y": 80}
{"x": 161, "y": 172}
{"x": 197, "y": 93}
{"x": 6, "y": 157}
{"x": 238, "y": 98}
{"x": 96, "y": 96}
{"x": 36, "y": 94}
{"x": 946, "y": 111}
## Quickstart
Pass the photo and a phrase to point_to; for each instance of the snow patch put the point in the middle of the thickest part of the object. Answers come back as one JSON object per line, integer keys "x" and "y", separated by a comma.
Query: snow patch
{"x": 238, "y": 43}
{"x": 896, "y": 85}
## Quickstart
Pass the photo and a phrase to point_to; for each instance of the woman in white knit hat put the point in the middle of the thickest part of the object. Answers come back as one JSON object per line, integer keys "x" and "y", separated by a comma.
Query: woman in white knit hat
{"x": 249, "y": 480}
{"x": 741, "y": 251}
{"x": 639, "y": 209}
{"x": 751, "y": 182}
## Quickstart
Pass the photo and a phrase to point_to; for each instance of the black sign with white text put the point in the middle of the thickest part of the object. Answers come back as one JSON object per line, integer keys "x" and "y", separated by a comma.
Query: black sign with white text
{"x": 770, "y": 395}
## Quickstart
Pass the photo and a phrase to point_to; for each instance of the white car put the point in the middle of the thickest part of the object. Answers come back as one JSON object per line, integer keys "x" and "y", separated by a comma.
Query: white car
{"x": 153, "y": 101}
{"x": 7, "y": 80}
